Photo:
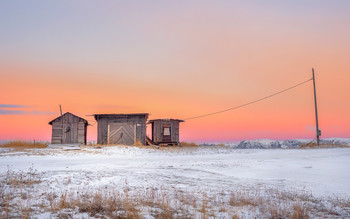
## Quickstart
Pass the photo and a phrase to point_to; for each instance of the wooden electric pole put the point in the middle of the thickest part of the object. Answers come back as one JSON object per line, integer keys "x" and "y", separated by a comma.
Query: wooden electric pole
{"x": 62, "y": 124}
{"x": 318, "y": 132}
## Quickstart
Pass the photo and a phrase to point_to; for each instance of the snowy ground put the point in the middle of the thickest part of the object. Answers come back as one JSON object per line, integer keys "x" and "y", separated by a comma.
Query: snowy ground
{"x": 322, "y": 173}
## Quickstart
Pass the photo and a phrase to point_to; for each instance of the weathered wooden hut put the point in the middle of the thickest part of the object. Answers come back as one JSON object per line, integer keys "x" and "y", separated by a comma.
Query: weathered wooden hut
{"x": 126, "y": 129}
{"x": 166, "y": 131}
{"x": 69, "y": 129}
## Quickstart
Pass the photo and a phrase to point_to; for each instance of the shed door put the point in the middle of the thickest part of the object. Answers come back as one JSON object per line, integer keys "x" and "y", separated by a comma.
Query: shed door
{"x": 121, "y": 133}
{"x": 67, "y": 133}
{"x": 167, "y": 132}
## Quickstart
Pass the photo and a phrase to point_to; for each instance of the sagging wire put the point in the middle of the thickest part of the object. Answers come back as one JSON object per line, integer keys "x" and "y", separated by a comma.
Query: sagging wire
{"x": 249, "y": 103}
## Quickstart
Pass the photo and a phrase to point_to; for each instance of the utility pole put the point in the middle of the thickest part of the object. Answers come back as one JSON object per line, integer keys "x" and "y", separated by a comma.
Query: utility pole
{"x": 318, "y": 132}
{"x": 62, "y": 124}
{"x": 61, "y": 109}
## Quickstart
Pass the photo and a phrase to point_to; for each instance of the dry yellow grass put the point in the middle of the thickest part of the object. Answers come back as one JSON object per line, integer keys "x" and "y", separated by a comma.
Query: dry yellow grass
{"x": 158, "y": 202}
{"x": 188, "y": 144}
{"x": 314, "y": 145}
{"x": 138, "y": 143}
{"x": 24, "y": 144}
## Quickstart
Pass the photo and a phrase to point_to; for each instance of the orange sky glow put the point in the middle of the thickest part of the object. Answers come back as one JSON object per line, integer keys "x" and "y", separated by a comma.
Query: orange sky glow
{"x": 177, "y": 60}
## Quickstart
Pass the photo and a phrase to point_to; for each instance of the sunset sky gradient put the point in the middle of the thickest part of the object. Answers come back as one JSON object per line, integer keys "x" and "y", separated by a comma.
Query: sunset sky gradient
{"x": 176, "y": 59}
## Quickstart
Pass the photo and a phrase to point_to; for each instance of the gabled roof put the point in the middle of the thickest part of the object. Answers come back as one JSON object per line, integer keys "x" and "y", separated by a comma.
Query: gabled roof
{"x": 50, "y": 123}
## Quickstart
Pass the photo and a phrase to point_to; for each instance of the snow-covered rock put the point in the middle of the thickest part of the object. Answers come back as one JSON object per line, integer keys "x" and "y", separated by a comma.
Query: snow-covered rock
{"x": 294, "y": 143}
{"x": 259, "y": 144}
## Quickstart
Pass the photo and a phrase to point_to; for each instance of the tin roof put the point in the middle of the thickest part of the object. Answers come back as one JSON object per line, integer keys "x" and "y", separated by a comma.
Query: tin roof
{"x": 153, "y": 120}
{"x": 120, "y": 114}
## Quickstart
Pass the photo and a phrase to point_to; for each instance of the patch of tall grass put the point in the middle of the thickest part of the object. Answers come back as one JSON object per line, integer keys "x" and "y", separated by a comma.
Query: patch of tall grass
{"x": 24, "y": 144}
{"x": 188, "y": 144}
{"x": 323, "y": 145}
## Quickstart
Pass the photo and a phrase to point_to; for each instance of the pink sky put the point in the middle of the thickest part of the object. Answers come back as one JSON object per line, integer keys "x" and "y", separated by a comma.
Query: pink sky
{"x": 177, "y": 60}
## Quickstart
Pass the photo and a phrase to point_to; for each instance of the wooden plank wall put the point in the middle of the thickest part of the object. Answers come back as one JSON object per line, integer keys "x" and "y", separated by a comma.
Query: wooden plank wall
{"x": 157, "y": 127}
{"x": 138, "y": 120}
{"x": 175, "y": 131}
{"x": 81, "y": 127}
{"x": 157, "y": 132}
{"x": 56, "y": 133}
{"x": 77, "y": 133}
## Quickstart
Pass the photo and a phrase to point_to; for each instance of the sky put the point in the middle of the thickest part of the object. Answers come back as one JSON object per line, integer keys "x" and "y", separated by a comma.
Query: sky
{"x": 176, "y": 59}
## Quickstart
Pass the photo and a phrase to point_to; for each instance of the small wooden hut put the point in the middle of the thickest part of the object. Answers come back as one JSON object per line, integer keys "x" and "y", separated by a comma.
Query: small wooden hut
{"x": 69, "y": 129}
{"x": 166, "y": 131}
{"x": 125, "y": 129}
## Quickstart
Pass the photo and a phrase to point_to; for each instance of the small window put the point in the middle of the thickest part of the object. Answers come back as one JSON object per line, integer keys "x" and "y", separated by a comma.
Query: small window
{"x": 166, "y": 131}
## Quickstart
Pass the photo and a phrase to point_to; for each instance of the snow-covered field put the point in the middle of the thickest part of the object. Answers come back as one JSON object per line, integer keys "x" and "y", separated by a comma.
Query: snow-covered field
{"x": 316, "y": 178}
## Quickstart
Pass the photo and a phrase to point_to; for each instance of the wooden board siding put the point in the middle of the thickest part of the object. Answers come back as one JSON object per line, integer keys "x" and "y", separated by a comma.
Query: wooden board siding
{"x": 69, "y": 129}
{"x": 82, "y": 128}
{"x": 121, "y": 133}
{"x": 56, "y": 133}
{"x": 175, "y": 133}
{"x": 158, "y": 136}
{"x": 136, "y": 122}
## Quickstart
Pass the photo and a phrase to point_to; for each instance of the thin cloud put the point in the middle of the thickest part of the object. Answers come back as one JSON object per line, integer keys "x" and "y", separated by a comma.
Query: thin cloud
{"x": 13, "y": 106}
{"x": 5, "y": 109}
{"x": 22, "y": 112}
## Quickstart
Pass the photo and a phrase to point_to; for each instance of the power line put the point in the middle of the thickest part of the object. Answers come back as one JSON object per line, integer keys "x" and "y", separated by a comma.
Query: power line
{"x": 246, "y": 104}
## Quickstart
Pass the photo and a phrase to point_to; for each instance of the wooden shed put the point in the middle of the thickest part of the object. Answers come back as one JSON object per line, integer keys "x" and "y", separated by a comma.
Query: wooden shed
{"x": 166, "y": 131}
{"x": 69, "y": 129}
{"x": 125, "y": 129}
